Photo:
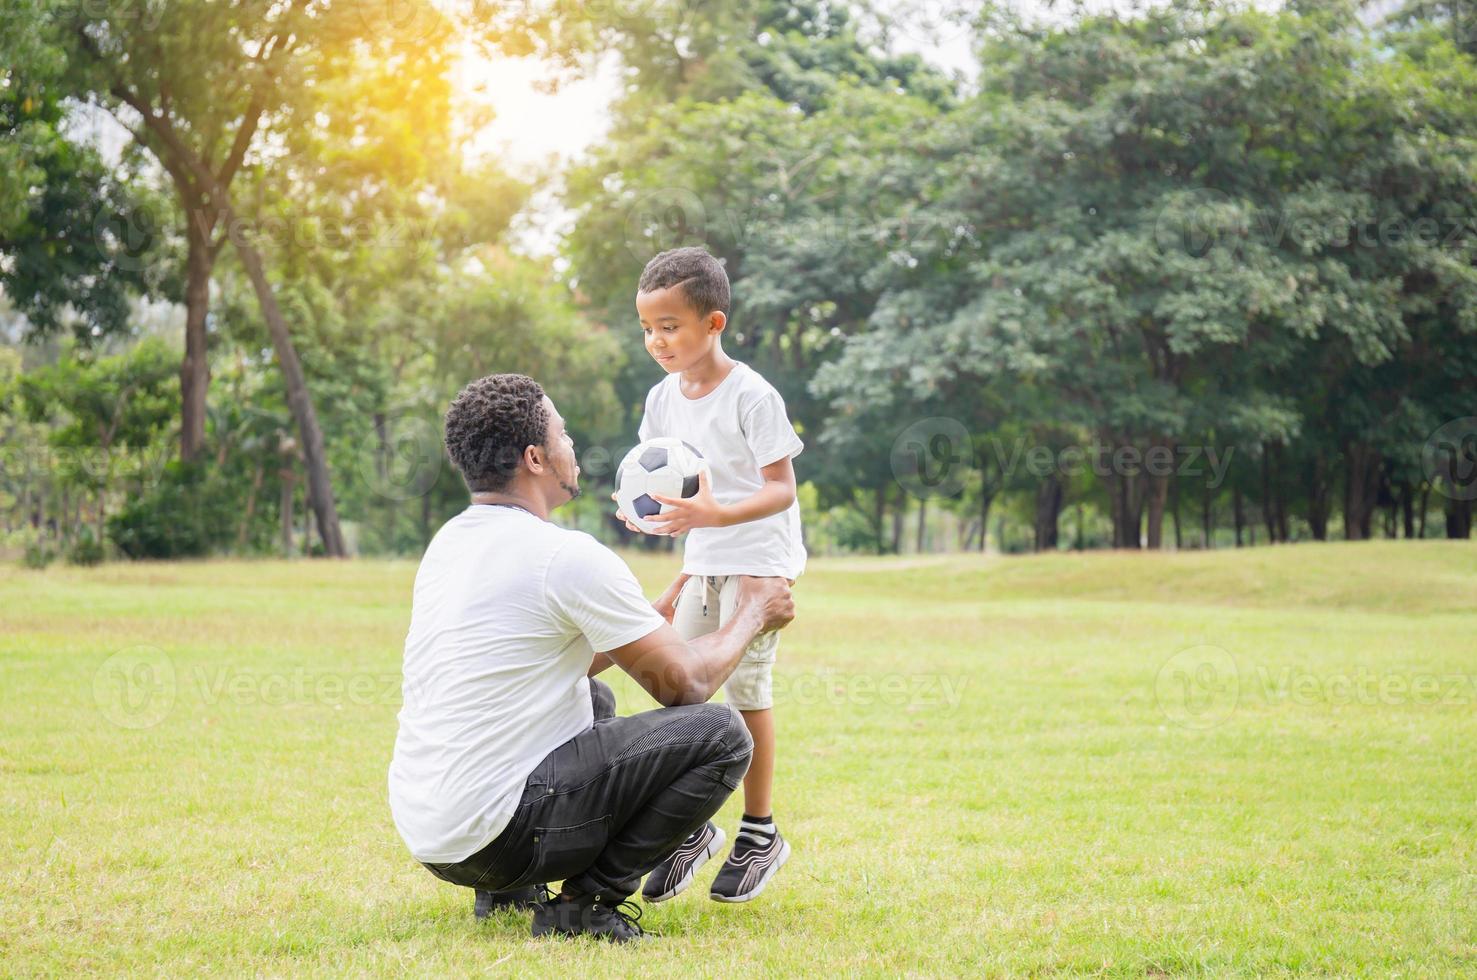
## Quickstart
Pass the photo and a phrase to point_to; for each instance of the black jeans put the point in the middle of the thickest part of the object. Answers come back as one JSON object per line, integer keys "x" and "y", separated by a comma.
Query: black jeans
{"x": 612, "y": 803}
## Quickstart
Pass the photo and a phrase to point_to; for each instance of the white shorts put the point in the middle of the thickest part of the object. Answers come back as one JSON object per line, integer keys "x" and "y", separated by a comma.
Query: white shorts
{"x": 705, "y": 605}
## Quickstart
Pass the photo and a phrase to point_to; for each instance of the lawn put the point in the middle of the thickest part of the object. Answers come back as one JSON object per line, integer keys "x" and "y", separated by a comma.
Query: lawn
{"x": 1229, "y": 763}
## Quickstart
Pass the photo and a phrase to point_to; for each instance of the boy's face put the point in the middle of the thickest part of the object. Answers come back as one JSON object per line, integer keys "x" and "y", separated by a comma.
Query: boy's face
{"x": 677, "y": 336}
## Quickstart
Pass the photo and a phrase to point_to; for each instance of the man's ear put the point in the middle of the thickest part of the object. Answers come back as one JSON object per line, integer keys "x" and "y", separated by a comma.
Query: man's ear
{"x": 533, "y": 458}
{"x": 717, "y": 320}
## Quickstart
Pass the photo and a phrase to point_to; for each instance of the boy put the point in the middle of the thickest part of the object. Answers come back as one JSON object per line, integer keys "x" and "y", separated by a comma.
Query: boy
{"x": 744, "y": 520}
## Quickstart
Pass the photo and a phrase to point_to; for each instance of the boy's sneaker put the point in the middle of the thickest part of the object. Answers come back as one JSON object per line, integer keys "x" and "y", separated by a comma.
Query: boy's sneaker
{"x": 756, "y": 857}
{"x": 587, "y": 916}
{"x": 520, "y": 899}
{"x": 674, "y": 874}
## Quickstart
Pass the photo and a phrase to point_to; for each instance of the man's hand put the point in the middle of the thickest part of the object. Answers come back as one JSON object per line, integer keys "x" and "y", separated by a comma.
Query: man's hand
{"x": 622, "y": 517}
{"x": 770, "y": 597}
{"x": 699, "y": 510}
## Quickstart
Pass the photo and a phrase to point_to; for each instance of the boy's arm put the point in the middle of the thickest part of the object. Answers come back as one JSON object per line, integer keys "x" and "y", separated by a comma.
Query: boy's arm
{"x": 701, "y": 510}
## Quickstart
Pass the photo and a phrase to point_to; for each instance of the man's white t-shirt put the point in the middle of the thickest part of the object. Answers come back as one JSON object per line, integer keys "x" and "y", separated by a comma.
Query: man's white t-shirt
{"x": 739, "y": 426}
{"x": 507, "y": 614}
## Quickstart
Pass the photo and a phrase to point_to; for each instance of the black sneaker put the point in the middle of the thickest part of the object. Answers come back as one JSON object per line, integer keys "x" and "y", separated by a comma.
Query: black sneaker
{"x": 587, "y": 916}
{"x": 521, "y": 899}
{"x": 675, "y": 873}
{"x": 754, "y": 860}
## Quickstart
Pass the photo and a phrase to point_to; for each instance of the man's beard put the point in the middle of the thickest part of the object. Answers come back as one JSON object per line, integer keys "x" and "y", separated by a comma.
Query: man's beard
{"x": 573, "y": 491}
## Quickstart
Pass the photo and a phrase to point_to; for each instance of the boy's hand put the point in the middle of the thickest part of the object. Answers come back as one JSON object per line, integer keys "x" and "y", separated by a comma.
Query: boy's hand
{"x": 700, "y": 510}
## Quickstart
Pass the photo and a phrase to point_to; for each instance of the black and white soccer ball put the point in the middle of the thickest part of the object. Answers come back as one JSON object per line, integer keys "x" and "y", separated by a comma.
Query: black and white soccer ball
{"x": 665, "y": 466}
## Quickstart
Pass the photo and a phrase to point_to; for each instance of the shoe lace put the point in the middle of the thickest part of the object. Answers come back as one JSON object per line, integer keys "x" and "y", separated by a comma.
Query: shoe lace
{"x": 629, "y": 912}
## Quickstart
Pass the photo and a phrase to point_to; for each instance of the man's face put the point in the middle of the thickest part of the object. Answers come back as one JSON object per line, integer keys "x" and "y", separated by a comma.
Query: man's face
{"x": 560, "y": 450}
{"x": 677, "y": 336}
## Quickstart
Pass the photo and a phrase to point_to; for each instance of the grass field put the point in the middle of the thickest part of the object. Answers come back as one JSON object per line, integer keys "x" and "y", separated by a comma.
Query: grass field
{"x": 1230, "y": 763}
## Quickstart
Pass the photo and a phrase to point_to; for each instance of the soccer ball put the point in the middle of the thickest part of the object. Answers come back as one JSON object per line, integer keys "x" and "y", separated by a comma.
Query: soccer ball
{"x": 664, "y": 465}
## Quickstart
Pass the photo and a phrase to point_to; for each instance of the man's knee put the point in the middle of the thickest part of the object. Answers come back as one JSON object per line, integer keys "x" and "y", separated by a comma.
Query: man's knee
{"x": 732, "y": 744}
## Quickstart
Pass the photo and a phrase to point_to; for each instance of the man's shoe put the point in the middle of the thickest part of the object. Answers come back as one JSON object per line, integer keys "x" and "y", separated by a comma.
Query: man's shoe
{"x": 587, "y": 916}
{"x": 520, "y": 899}
{"x": 677, "y": 871}
{"x": 755, "y": 859}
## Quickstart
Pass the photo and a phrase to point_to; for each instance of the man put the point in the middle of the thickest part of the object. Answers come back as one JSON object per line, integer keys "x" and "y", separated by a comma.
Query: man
{"x": 510, "y": 768}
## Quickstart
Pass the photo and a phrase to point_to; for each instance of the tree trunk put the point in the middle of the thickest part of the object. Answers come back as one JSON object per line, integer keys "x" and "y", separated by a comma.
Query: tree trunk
{"x": 897, "y": 521}
{"x": 320, "y": 487}
{"x": 288, "y": 479}
{"x": 1318, "y": 496}
{"x": 922, "y": 520}
{"x": 1269, "y": 506}
{"x": 1458, "y": 519}
{"x": 1049, "y": 494}
{"x": 194, "y": 372}
{"x": 1207, "y": 521}
{"x": 879, "y": 516}
{"x": 1425, "y": 504}
{"x": 1407, "y": 509}
{"x": 1279, "y": 494}
{"x": 250, "y": 511}
{"x": 1126, "y": 495}
{"x": 1238, "y": 515}
{"x": 1158, "y": 496}
{"x": 986, "y": 499}
{"x": 1361, "y": 485}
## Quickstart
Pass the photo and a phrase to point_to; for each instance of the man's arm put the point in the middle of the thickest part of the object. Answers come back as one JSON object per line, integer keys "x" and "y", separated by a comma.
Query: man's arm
{"x": 666, "y": 607}
{"x": 674, "y": 672}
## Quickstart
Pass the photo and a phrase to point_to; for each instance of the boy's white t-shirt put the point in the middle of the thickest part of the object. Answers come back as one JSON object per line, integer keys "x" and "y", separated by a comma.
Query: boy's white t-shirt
{"x": 508, "y": 611}
{"x": 739, "y": 426}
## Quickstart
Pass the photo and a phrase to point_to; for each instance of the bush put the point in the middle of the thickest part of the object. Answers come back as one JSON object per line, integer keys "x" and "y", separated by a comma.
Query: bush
{"x": 39, "y": 553}
{"x": 87, "y": 549}
{"x": 184, "y": 516}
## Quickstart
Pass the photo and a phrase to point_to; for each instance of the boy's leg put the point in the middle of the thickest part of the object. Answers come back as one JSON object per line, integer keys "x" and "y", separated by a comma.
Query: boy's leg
{"x": 697, "y": 614}
{"x": 759, "y": 851}
{"x": 699, "y": 608}
{"x": 750, "y": 689}
{"x": 759, "y": 781}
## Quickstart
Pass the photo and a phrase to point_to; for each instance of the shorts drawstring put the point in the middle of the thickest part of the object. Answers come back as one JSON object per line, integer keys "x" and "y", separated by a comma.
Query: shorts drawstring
{"x": 704, "y": 582}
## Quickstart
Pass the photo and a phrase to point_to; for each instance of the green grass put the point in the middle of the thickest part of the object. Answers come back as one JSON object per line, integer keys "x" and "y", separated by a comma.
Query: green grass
{"x": 1254, "y": 762}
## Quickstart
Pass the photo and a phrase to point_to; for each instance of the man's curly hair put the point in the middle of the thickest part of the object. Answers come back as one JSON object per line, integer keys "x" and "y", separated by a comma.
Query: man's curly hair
{"x": 701, "y": 277}
{"x": 489, "y": 425}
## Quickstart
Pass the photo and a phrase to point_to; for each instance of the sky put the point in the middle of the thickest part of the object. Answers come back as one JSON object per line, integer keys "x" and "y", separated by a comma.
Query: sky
{"x": 532, "y": 128}
{"x": 539, "y": 133}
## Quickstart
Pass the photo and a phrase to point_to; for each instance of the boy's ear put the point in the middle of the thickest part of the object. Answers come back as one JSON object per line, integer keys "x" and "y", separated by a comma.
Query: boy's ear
{"x": 717, "y": 320}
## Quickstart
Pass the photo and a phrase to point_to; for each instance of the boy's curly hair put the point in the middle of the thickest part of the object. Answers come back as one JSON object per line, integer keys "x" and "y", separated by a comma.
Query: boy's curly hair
{"x": 701, "y": 277}
{"x": 489, "y": 425}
